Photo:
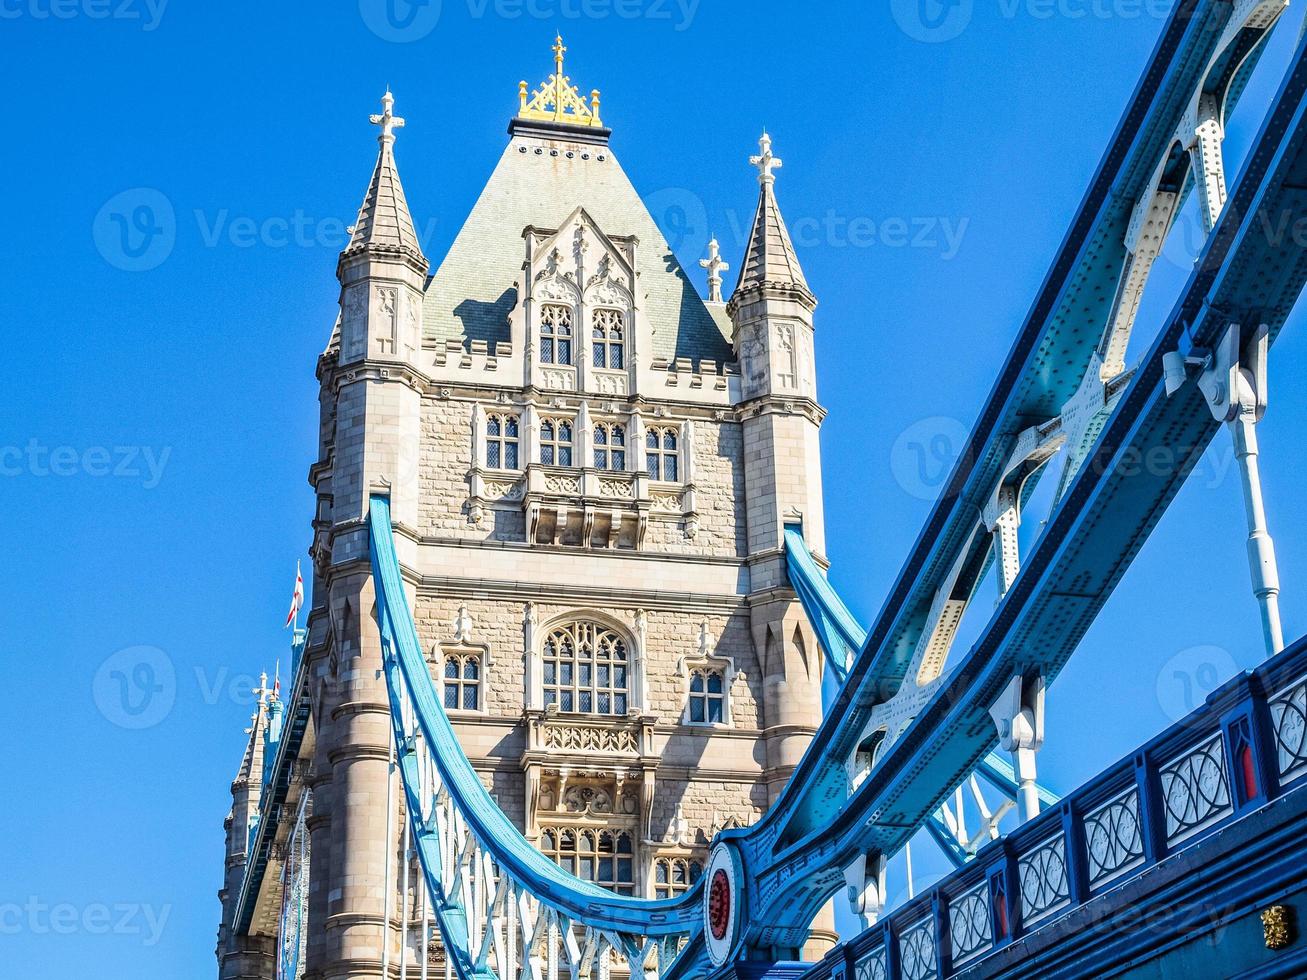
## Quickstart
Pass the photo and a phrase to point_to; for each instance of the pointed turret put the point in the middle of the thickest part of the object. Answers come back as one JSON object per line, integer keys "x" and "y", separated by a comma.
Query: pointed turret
{"x": 244, "y": 955}
{"x": 384, "y": 222}
{"x": 383, "y": 277}
{"x": 771, "y": 312}
{"x": 769, "y": 259}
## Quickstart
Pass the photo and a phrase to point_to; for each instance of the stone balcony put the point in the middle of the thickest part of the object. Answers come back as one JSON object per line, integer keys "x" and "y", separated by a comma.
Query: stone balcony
{"x": 582, "y": 507}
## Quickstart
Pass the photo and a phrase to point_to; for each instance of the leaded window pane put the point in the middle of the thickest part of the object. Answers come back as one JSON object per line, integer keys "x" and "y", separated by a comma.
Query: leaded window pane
{"x": 584, "y": 669}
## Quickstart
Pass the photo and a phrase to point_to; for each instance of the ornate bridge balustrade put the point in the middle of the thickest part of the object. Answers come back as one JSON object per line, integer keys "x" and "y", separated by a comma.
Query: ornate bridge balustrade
{"x": 1242, "y": 750}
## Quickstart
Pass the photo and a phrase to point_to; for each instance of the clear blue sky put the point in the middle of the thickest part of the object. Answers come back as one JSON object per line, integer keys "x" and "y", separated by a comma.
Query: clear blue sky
{"x": 249, "y": 120}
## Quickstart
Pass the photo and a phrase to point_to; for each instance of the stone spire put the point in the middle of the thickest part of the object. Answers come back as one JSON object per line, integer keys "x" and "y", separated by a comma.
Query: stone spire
{"x": 384, "y": 221}
{"x": 769, "y": 258}
{"x": 715, "y": 265}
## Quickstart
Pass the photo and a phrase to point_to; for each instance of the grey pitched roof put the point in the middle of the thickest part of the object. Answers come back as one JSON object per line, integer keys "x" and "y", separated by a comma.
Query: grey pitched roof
{"x": 384, "y": 218}
{"x": 474, "y": 289}
{"x": 770, "y": 256}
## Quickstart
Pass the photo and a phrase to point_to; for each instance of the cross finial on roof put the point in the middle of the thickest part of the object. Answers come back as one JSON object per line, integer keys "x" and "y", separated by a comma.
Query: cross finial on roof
{"x": 387, "y": 120}
{"x": 715, "y": 265}
{"x": 766, "y": 161}
{"x": 560, "y": 49}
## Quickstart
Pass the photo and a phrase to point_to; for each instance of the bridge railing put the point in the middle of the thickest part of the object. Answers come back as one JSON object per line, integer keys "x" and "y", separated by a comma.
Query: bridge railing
{"x": 1240, "y": 750}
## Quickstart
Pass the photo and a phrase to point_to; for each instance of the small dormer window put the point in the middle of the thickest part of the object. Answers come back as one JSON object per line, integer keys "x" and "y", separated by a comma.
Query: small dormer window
{"x": 608, "y": 339}
{"x": 555, "y": 334}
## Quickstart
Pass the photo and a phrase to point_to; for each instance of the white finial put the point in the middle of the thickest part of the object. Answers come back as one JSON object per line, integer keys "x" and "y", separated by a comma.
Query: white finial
{"x": 705, "y": 641}
{"x": 387, "y": 120}
{"x": 679, "y": 831}
{"x": 715, "y": 265}
{"x": 262, "y": 691}
{"x": 766, "y": 162}
{"x": 463, "y": 625}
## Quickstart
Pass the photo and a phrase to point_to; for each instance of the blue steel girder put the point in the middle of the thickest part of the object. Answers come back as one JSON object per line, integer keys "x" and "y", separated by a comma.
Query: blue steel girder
{"x": 841, "y": 637}
{"x": 579, "y": 900}
{"x": 1040, "y": 373}
{"x": 1247, "y": 276}
{"x": 272, "y": 801}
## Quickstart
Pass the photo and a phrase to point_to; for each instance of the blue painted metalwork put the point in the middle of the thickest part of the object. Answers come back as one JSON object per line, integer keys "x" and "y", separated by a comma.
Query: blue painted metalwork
{"x": 1094, "y": 842}
{"x": 795, "y": 856}
{"x": 277, "y": 782}
{"x": 1090, "y": 540}
{"x": 842, "y": 636}
{"x": 424, "y": 736}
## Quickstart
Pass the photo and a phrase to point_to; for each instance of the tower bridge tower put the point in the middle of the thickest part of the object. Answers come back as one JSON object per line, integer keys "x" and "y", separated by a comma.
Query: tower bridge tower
{"x": 590, "y": 470}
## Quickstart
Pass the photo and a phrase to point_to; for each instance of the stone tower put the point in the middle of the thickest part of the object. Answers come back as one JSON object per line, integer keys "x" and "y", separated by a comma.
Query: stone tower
{"x": 590, "y": 470}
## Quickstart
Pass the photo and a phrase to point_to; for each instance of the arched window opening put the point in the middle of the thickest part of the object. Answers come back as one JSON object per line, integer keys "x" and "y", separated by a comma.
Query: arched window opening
{"x": 503, "y": 436}
{"x": 556, "y": 442}
{"x": 675, "y": 876}
{"x": 707, "y": 697}
{"x": 605, "y": 857}
{"x": 610, "y": 446}
{"x": 555, "y": 334}
{"x": 662, "y": 454}
{"x": 586, "y": 670}
{"x": 462, "y": 682}
{"x": 608, "y": 339}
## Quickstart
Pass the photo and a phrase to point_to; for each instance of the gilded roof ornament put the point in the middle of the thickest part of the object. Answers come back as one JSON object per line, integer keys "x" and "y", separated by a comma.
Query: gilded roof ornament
{"x": 558, "y": 100}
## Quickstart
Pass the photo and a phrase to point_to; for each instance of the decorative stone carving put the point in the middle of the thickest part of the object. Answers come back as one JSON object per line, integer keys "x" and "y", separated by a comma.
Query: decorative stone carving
{"x": 387, "y": 304}
{"x": 463, "y": 625}
{"x": 588, "y": 738}
{"x": 622, "y": 489}
{"x": 609, "y": 382}
{"x": 560, "y": 483}
{"x": 507, "y": 490}
{"x": 558, "y": 379}
{"x": 587, "y": 799}
{"x": 668, "y": 503}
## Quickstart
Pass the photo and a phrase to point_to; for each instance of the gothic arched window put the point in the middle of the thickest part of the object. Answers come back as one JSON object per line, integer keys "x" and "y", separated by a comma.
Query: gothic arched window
{"x": 610, "y": 446}
{"x": 605, "y": 857}
{"x": 608, "y": 339}
{"x": 555, "y": 334}
{"x": 586, "y": 669}
{"x": 502, "y": 438}
{"x": 662, "y": 454}
{"x": 675, "y": 876}
{"x": 462, "y": 682}
{"x": 556, "y": 442}
{"x": 707, "y": 697}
